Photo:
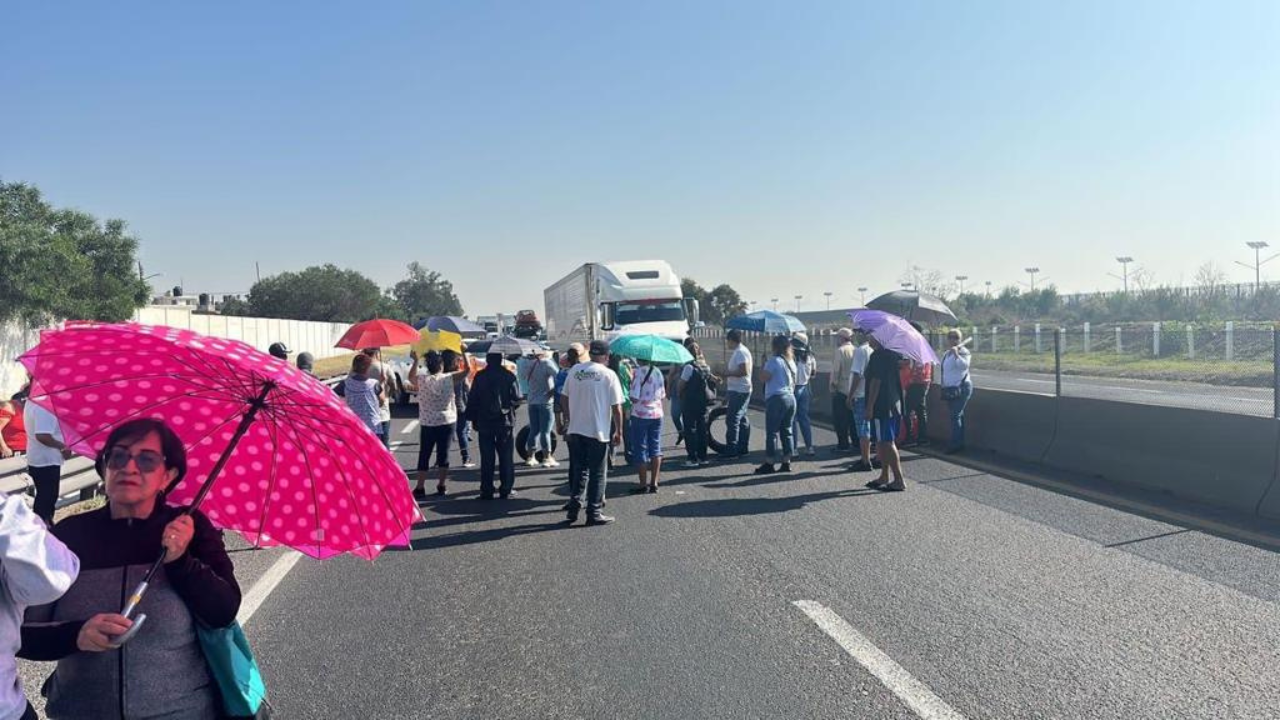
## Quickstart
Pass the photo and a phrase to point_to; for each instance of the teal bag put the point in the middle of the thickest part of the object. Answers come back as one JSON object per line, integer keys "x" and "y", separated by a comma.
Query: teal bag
{"x": 234, "y": 670}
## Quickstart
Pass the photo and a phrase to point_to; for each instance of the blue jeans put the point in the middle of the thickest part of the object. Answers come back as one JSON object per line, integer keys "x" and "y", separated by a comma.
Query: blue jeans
{"x": 802, "y": 427}
{"x": 586, "y": 473}
{"x": 737, "y": 433}
{"x": 956, "y": 408}
{"x": 677, "y": 414}
{"x": 539, "y": 429}
{"x": 384, "y": 434}
{"x": 779, "y": 416}
{"x": 646, "y": 440}
{"x": 463, "y": 431}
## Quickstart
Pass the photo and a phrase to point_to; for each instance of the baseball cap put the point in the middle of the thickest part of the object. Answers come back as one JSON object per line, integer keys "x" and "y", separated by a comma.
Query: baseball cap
{"x": 598, "y": 348}
{"x": 845, "y": 333}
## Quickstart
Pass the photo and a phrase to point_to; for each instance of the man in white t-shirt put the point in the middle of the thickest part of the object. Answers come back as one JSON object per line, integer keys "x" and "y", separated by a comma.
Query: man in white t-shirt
{"x": 591, "y": 407}
{"x": 45, "y": 455}
{"x": 737, "y": 436}
{"x": 858, "y": 400}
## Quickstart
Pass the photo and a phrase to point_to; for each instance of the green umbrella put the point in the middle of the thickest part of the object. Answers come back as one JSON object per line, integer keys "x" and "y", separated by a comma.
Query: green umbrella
{"x": 650, "y": 348}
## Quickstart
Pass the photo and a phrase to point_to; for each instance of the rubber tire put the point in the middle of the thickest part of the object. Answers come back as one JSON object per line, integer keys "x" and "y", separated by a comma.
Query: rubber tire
{"x": 522, "y": 438}
{"x": 717, "y": 413}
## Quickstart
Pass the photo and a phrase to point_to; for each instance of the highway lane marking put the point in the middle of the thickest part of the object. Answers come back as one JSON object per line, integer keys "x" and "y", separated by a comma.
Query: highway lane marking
{"x": 915, "y": 694}
{"x": 267, "y": 583}
{"x": 409, "y": 427}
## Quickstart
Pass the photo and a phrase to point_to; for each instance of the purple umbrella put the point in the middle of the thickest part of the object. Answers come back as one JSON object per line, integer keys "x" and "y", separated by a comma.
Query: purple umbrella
{"x": 896, "y": 334}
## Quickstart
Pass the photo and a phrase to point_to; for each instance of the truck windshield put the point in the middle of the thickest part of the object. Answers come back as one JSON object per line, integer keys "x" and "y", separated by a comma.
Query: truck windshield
{"x": 632, "y": 313}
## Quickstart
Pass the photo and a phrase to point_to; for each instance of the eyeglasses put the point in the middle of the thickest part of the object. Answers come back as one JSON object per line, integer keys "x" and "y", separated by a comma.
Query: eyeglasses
{"x": 147, "y": 460}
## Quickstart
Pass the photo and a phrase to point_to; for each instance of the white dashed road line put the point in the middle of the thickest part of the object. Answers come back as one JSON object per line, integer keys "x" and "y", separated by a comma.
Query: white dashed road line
{"x": 409, "y": 427}
{"x": 268, "y": 582}
{"x": 915, "y": 694}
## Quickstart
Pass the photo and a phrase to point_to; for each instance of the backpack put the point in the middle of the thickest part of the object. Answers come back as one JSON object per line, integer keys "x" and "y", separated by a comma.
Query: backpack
{"x": 700, "y": 385}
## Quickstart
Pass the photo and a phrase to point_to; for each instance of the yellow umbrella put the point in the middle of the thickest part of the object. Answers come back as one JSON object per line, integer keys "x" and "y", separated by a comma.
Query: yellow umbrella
{"x": 439, "y": 341}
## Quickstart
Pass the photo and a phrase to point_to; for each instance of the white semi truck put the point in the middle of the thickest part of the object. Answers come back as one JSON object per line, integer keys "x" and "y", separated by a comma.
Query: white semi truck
{"x": 599, "y": 301}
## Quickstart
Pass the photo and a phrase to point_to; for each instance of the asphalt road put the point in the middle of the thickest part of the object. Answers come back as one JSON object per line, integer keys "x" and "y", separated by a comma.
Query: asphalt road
{"x": 968, "y": 594}
{"x": 1199, "y": 396}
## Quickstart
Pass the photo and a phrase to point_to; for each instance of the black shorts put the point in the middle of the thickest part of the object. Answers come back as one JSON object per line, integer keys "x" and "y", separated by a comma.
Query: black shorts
{"x": 435, "y": 437}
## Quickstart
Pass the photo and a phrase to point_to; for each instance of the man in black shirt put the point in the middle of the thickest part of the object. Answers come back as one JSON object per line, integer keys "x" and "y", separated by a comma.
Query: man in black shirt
{"x": 884, "y": 403}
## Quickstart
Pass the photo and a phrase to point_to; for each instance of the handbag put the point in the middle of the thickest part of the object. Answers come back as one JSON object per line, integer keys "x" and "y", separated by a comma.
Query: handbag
{"x": 234, "y": 671}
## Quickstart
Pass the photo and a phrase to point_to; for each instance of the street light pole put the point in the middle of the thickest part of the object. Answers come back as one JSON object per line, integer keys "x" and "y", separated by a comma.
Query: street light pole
{"x": 988, "y": 288}
{"x": 1124, "y": 261}
{"x": 798, "y": 299}
{"x": 1032, "y": 272}
{"x": 1258, "y": 262}
{"x": 862, "y": 296}
{"x": 960, "y": 279}
{"x": 775, "y": 304}
{"x": 828, "y": 294}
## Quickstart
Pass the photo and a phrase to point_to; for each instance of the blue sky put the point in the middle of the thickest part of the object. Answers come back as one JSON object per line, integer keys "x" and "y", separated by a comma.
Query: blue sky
{"x": 781, "y": 147}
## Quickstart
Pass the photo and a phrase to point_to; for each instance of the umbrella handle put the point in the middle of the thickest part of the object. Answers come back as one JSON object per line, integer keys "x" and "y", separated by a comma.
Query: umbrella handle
{"x": 128, "y": 634}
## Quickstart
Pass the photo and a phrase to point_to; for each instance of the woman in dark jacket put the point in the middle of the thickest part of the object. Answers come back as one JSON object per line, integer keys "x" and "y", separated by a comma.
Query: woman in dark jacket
{"x": 161, "y": 671}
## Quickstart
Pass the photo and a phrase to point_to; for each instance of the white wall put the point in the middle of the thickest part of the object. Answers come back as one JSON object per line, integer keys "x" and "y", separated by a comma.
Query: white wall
{"x": 317, "y": 338}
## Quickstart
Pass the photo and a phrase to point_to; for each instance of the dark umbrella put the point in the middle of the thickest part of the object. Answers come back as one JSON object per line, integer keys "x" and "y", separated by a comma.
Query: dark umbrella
{"x": 453, "y": 324}
{"x": 913, "y": 305}
{"x": 505, "y": 345}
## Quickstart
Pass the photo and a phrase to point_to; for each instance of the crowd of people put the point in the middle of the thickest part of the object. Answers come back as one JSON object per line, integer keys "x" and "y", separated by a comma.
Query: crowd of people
{"x": 602, "y": 404}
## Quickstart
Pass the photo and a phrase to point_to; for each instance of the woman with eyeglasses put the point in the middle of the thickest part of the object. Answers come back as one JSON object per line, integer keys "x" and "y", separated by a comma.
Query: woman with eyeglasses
{"x": 161, "y": 671}
{"x": 957, "y": 387}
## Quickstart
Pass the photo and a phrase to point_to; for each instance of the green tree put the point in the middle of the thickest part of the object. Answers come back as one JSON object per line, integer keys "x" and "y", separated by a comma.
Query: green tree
{"x": 64, "y": 264}
{"x": 690, "y": 288}
{"x": 725, "y": 302}
{"x": 424, "y": 293}
{"x": 324, "y": 293}
{"x": 234, "y": 305}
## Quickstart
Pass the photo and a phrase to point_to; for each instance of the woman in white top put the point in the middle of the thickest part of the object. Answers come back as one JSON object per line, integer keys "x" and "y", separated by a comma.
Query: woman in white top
{"x": 648, "y": 390}
{"x": 437, "y": 418}
{"x": 806, "y": 368}
{"x": 957, "y": 387}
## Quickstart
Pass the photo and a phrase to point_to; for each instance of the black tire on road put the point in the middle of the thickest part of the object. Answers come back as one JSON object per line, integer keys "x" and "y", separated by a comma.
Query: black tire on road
{"x": 522, "y": 439}
{"x": 716, "y": 445}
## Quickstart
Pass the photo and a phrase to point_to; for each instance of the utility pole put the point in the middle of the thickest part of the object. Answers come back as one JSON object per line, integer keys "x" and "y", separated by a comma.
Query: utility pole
{"x": 960, "y": 279}
{"x": 775, "y": 303}
{"x": 988, "y": 288}
{"x": 828, "y": 294}
{"x": 798, "y": 299}
{"x": 1257, "y": 262}
{"x": 862, "y": 296}
{"x": 257, "y": 269}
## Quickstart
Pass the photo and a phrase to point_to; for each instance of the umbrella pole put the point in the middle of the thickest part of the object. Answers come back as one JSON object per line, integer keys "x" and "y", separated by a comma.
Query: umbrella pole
{"x": 135, "y": 597}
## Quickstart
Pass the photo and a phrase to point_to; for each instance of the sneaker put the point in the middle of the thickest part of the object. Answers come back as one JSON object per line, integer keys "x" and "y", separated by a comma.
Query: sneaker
{"x": 860, "y": 466}
{"x": 550, "y": 462}
{"x": 508, "y": 494}
{"x": 600, "y": 520}
{"x": 810, "y": 452}
{"x": 704, "y": 463}
{"x": 765, "y": 469}
{"x": 898, "y": 486}
{"x": 468, "y": 464}
{"x": 532, "y": 462}
{"x": 420, "y": 493}
{"x": 692, "y": 464}
{"x": 784, "y": 467}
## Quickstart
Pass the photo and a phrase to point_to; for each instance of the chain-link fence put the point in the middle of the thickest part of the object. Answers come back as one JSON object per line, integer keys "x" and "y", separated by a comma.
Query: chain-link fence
{"x": 1225, "y": 368}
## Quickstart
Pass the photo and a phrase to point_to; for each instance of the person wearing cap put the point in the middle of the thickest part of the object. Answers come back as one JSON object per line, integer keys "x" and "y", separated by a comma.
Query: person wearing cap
{"x": 841, "y": 382}
{"x": 591, "y": 406}
{"x": 540, "y": 377}
{"x": 491, "y": 407}
{"x": 806, "y": 368}
{"x": 737, "y": 436}
{"x": 307, "y": 363}
{"x": 279, "y": 350}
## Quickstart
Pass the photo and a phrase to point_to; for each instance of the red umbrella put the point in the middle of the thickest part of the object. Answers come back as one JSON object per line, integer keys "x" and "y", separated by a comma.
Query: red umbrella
{"x": 378, "y": 333}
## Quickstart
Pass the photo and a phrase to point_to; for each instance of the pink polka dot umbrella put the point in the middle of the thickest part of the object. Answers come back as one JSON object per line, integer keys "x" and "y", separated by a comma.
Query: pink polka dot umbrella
{"x": 272, "y": 453}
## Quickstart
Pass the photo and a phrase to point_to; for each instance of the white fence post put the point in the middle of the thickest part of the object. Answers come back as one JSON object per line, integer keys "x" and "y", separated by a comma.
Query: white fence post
{"x": 1231, "y": 340}
{"x": 1191, "y": 343}
{"x": 1086, "y": 338}
{"x": 1119, "y": 345}
{"x": 1017, "y": 338}
{"x": 995, "y": 331}
{"x": 1037, "y": 338}
{"x": 1155, "y": 339}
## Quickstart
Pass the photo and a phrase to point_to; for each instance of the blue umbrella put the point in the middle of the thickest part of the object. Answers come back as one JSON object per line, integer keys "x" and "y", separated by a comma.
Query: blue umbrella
{"x": 766, "y": 321}
{"x": 453, "y": 324}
